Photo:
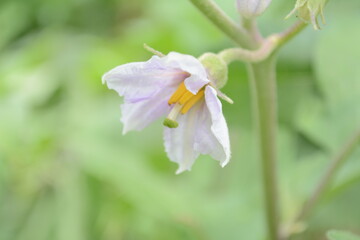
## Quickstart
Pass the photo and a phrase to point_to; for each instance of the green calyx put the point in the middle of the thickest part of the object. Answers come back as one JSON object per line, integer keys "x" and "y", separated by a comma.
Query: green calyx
{"x": 216, "y": 68}
{"x": 309, "y": 11}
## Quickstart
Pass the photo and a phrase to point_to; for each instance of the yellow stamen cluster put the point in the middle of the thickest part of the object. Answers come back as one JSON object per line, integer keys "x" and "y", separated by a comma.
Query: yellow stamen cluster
{"x": 184, "y": 100}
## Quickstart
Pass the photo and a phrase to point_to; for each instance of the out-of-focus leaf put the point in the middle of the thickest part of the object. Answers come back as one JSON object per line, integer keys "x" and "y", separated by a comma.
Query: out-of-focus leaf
{"x": 341, "y": 235}
{"x": 338, "y": 75}
{"x": 13, "y": 21}
{"x": 329, "y": 117}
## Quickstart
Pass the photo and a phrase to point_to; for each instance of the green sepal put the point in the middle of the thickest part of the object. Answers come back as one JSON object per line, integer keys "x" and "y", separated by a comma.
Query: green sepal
{"x": 216, "y": 68}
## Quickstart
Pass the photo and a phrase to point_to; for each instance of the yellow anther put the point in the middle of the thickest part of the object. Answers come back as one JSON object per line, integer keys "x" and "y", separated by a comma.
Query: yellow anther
{"x": 192, "y": 101}
{"x": 186, "y": 97}
{"x": 178, "y": 94}
{"x": 183, "y": 100}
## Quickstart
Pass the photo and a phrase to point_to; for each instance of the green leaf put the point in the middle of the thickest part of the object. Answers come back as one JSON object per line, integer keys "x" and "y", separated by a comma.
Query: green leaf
{"x": 341, "y": 235}
{"x": 328, "y": 116}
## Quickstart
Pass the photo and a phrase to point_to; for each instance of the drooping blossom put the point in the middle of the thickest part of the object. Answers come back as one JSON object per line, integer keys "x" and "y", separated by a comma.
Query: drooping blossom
{"x": 178, "y": 88}
{"x": 252, "y": 8}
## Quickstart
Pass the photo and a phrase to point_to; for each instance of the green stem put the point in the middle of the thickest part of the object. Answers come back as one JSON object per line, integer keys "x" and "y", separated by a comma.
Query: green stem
{"x": 291, "y": 32}
{"x": 329, "y": 174}
{"x": 251, "y": 56}
{"x": 224, "y": 23}
{"x": 251, "y": 26}
{"x": 263, "y": 84}
{"x": 267, "y": 46}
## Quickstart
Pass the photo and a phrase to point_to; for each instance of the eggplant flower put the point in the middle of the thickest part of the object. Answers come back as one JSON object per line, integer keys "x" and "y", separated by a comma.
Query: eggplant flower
{"x": 177, "y": 86}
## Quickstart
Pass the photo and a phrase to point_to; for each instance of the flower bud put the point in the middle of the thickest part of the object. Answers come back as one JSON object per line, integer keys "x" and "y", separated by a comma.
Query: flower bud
{"x": 252, "y": 8}
{"x": 309, "y": 10}
{"x": 216, "y": 68}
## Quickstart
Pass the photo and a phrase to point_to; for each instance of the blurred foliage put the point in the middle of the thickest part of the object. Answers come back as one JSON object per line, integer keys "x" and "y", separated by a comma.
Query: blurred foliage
{"x": 66, "y": 172}
{"x": 341, "y": 235}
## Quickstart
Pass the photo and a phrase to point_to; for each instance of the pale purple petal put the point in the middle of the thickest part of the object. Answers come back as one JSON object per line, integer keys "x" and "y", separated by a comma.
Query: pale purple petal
{"x": 198, "y": 76}
{"x": 252, "y": 8}
{"x": 137, "y": 115}
{"x": 147, "y": 86}
{"x": 213, "y": 135}
{"x": 179, "y": 142}
{"x": 141, "y": 80}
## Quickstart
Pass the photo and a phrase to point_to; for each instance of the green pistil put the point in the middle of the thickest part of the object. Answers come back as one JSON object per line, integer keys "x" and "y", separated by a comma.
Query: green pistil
{"x": 170, "y": 123}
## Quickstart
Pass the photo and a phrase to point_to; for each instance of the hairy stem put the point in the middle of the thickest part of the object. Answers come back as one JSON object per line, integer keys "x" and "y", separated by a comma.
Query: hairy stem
{"x": 252, "y": 56}
{"x": 267, "y": 46}
{"x": 224, "y": 23}
{"x": 329, "y": 174}
{"x": 263, "y": 84}
{"x": 291, "y": 32}
{"x": 251, "y": 26}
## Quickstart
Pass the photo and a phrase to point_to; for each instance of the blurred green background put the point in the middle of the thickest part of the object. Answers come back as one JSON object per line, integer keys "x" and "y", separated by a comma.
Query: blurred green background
{"x": 67, "y": 173}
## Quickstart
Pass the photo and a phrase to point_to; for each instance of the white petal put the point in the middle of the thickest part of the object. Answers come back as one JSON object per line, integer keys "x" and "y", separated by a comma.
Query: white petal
{"x": 205, "y": 141}
{"x": 203, "y": 130}
{"x": 141, "y": 80}
{"x": 213, "y": 133}
{"x": 198, "y": 76}
{"x": 179, "y": 142}
{"x": 252, "y": 8}
{"x": 137, "y": 115}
